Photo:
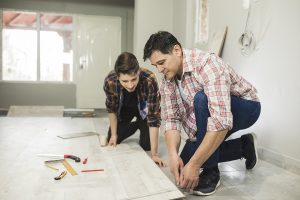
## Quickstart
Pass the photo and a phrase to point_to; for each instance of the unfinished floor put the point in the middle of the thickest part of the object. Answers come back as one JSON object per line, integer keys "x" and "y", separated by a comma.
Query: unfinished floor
{"x": 264, "y": 182}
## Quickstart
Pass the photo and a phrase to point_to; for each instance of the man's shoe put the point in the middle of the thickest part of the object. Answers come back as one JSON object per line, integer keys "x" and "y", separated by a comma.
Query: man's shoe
{"x": 249, "y": 150}
{"x": 209, "y": 180}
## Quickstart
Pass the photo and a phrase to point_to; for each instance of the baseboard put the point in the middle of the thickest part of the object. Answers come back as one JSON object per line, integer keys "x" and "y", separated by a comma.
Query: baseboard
{"x": 279, "y": 160}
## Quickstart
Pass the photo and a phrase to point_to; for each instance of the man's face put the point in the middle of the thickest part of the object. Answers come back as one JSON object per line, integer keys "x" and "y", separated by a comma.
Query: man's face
{"x": 168, "y": 64}
{"x": 129, "y": 81}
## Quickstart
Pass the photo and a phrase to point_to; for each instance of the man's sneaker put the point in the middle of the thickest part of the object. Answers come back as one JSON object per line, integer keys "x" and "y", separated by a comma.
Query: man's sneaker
{"x": 249, "y": 151}
{"x": 209, "y": 180}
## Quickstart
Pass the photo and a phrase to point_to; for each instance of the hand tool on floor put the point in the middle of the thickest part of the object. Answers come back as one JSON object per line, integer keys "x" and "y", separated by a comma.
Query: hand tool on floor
{"x": 85, "y": 161}
{"x": 65, "y": 163}
{"x": 59, "y": 157}
{"x": 76, "y": 135}
{"x": 60, "y": 176}
{"x": 69, "y": 167}
{"x": 51, "y": 167}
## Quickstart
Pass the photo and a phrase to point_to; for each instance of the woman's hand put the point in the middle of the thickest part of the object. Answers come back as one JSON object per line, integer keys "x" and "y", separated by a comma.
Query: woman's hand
{"x": 113, "y": 140}
{"x": 158, "y": 161}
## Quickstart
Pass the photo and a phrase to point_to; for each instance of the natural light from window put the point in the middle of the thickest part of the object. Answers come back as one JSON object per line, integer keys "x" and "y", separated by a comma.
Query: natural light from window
{"x": 55, "y": 63}
{"x": 19, "y": 55}
{"x": 37, "y": 51}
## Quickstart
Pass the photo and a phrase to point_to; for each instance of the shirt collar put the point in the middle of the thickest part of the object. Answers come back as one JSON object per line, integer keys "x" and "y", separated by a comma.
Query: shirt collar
{"x": 186, "y": 61}
{"x": 186, "y": 64}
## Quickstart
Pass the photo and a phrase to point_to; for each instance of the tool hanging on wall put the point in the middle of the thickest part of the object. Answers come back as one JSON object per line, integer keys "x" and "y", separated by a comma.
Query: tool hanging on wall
{"x": 247, "y": 41}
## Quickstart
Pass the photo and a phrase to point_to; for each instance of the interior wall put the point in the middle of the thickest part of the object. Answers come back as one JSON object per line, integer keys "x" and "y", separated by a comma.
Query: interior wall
{"x": 48, "y": 94}
{"x": 180, "y": 16}
{"x": 17, "y": 89}
{"x": 150, "y": 17}
{"x": 273, "y": 67}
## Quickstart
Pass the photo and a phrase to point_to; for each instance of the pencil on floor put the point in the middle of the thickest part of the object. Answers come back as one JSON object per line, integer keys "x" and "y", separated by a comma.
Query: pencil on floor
{"x": 92, "y": 170}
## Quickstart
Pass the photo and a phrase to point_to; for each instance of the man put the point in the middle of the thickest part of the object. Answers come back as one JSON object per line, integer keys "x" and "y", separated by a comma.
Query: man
{"x": 211, "y": 101}
{"x": 132, "y": 92}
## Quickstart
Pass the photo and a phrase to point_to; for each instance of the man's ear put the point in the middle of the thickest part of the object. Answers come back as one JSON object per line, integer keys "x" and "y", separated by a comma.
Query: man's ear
{"x": 177, "y": 50}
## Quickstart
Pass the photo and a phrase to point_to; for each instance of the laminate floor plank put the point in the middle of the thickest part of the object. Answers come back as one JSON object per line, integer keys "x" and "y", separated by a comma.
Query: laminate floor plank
{"x": 128, "y": 173}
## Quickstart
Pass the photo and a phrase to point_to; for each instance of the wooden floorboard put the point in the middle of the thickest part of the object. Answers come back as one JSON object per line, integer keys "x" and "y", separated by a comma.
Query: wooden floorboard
{"x": 128, "y": 173}
{"x": 36, "y": 111}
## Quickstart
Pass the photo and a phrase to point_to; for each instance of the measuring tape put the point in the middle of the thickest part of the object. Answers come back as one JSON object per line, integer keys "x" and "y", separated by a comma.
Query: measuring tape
{"x": 69, "y": 167}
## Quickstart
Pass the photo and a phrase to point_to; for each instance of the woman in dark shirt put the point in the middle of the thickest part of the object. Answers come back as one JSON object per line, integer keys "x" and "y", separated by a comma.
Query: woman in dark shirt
{"x": 132, "y": 93}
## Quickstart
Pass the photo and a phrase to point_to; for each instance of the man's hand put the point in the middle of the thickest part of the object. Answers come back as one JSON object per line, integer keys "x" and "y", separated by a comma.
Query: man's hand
{"x": 189, "y": 176}
{"x": 176, "y": 166}
{"x": 158, "y": 161}
{"x": 113, "y": 140}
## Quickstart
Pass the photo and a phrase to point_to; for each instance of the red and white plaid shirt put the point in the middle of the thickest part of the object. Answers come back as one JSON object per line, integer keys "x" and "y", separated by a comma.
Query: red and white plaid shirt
{"x": 203, "y": 71}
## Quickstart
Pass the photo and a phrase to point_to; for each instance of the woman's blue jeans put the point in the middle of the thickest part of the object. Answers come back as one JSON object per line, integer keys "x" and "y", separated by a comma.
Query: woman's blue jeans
{"x": 245, "y": 114}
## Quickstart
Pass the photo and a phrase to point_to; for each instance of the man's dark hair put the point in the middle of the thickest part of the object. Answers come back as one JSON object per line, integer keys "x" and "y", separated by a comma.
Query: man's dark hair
{"x": 162, "y": 41}
{"x": 126, "y": 63}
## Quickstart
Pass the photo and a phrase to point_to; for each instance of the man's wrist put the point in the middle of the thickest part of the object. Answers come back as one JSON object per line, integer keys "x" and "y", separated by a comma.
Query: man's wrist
{"x": 173, "y": 154}
{"x": 195, "y": 162}
{"x": 154, "y": 154}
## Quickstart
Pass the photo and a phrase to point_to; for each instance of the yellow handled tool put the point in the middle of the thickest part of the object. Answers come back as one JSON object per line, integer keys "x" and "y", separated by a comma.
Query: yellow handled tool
{"x": 61, "y": 175}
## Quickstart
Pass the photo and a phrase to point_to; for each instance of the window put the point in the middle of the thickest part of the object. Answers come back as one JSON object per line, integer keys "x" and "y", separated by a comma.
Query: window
{"x": 37, "y": 46}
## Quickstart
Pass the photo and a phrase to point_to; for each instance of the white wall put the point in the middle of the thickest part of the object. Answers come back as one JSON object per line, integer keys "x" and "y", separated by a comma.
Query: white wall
{"x": 273, "y": 67}
{"x": 175, "y": 16}
{"x": 150, "y": 17}
{"x": 180, "y": 17}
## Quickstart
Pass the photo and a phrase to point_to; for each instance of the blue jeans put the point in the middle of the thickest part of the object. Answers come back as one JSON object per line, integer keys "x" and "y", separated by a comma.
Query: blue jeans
{"x": 245, "y": 114}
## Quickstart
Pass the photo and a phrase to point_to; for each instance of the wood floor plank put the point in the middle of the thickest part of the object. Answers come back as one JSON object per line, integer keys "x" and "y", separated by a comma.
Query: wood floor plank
{"x": 35, "y": 111}
{"x": 128, "y": 171}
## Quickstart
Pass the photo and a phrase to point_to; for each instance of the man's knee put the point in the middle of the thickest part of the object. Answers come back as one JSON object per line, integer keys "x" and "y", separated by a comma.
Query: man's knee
{"x": 200, "y": 100}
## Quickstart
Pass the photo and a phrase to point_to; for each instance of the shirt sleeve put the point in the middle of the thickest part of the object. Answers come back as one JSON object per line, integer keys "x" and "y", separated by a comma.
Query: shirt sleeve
{"x": 153, "y": 117}
{"x": 170, "y": 106}
{"x": 111, "y": 95}
{"x": 217, "y": 89}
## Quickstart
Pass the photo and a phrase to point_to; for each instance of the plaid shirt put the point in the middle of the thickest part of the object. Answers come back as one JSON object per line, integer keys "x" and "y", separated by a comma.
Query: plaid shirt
{"x": 207, "y": 72}
{"x": 147, "y": 93}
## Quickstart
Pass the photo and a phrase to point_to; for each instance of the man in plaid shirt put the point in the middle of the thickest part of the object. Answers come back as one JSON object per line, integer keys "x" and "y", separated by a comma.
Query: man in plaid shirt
{"x": 205, "y": 96}
{"x": 132, "y": 93}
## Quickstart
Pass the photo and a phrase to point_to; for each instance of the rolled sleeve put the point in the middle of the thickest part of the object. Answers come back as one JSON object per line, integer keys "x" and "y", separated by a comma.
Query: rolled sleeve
{"x": 217, "y": 90}
{"x": 173, "y": 125}
{"x": 153, "y": 101}
{"x": 170, "y": 106}
{"x": 111, "y": 101}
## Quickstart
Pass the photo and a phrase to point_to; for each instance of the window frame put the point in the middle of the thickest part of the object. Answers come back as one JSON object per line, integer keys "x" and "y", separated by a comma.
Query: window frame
{"x": 38, "y": 29}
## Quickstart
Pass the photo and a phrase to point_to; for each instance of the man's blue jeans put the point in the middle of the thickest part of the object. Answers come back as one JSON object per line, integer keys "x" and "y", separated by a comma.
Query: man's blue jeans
{"x": 245, "y": 114}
